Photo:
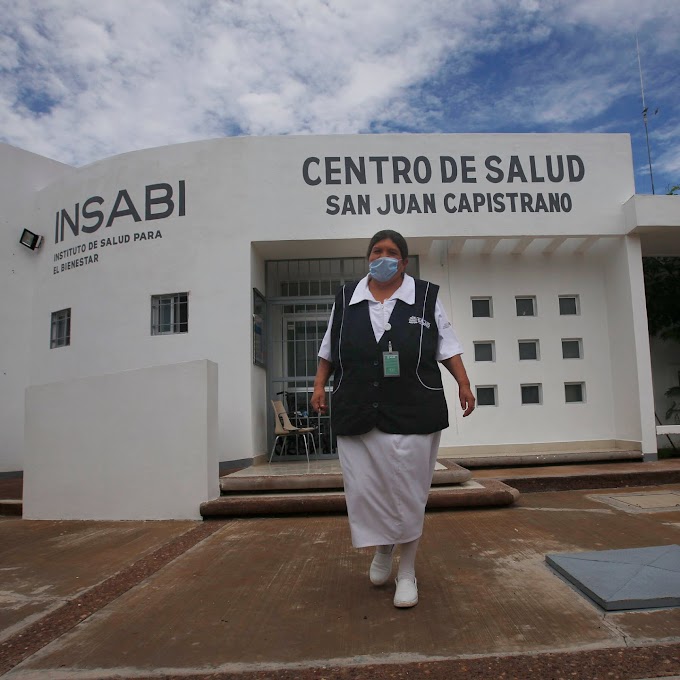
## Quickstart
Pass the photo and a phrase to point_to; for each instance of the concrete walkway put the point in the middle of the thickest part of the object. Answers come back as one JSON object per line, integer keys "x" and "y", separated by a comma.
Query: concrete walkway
{"x": 289, "y": 597}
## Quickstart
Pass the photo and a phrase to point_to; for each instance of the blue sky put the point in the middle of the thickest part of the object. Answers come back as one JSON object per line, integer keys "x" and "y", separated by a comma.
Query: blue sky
{"x": 83, "y": 80}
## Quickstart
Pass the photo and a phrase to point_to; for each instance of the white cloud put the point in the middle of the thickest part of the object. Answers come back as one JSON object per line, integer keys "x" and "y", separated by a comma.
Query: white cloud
{"x": 81, "y": 80}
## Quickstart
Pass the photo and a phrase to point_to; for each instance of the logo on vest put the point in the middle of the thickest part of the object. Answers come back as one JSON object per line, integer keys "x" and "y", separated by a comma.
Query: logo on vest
{"x": 417, "y": 319}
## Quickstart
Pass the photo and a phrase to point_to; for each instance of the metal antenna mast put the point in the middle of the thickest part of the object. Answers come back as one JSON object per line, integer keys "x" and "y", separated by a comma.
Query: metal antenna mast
{"x": 644, "y": 113}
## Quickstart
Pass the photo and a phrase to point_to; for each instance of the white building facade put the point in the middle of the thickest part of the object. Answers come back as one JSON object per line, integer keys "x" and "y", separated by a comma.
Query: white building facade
{"x": 150, "y": 260}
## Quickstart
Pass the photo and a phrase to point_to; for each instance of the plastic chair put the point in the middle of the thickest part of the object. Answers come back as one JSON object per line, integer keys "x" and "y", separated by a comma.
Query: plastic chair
{"x": 285, "y": 429}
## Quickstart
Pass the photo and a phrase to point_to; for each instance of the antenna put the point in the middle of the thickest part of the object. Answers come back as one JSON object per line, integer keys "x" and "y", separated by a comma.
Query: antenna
{"x": 644, "y": 113}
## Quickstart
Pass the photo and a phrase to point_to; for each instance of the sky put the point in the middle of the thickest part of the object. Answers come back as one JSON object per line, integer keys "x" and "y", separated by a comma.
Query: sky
{"x": 82, "y": 80}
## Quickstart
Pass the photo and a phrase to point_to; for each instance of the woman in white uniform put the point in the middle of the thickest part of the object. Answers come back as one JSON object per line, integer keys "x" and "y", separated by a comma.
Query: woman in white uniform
{"x": 386, "y": 336}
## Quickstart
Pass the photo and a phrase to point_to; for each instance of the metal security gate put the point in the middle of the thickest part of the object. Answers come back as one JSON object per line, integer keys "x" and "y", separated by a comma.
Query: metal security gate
{"x": 296, "y": 333}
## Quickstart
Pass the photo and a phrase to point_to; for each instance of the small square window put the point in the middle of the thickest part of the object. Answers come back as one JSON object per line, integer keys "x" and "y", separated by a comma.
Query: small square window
{"x": 528, "y": 350}
{"x": 526, "y": 306}
{"x": 482, "y": 307}
{"x": 486, "y": 395}
{"x": 574, "y": 393}
{"x": 531, "y": 394}
{"x": 170, "y": 314}
{"x": 569, "y": 305}
{"x": 60, "y": 333}
{"x": 572, "y": 348}
{"x": 484, "y": 351}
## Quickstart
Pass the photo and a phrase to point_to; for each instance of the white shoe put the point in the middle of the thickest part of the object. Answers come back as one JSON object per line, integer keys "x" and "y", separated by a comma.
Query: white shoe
{"x": 407, "y": 592}
{"x": 381, "y": 568}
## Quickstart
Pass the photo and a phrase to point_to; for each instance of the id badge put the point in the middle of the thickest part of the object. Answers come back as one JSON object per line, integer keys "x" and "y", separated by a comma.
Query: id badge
{"x": 391, "y": 364}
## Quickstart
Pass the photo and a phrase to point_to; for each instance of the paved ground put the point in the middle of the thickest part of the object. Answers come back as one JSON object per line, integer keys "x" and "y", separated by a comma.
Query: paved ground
{"x": 289, "y": 598}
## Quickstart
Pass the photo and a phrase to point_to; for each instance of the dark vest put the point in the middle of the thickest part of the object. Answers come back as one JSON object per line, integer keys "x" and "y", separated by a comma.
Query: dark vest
{"x": 363, "y": 398}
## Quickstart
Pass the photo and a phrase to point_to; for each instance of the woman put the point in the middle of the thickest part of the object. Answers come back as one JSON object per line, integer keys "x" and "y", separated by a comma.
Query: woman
{"x": 385, "y": 338}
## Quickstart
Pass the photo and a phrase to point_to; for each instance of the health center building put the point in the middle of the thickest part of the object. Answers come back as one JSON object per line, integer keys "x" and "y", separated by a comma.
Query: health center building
{"x": 155, "y": 303}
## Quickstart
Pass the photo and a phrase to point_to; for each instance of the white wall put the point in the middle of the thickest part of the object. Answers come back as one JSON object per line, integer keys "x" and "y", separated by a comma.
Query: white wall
{"x": 632, "y": 395}
{"x": 21, "y": 173}
{"x": 546, "y": 277}
{"x": 656, "y": 219}
{"x": 642, "y": 351}
{"x": 111, "y": 299}
{"x": 130, "y": 445}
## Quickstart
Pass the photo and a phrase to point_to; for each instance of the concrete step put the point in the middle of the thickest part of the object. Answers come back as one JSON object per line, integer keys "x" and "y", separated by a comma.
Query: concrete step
{"x": 544, "y": 458}
{"x": 488, "y": 492}
{"x": 605, "y": 475}
{"x": 300, "y": 476}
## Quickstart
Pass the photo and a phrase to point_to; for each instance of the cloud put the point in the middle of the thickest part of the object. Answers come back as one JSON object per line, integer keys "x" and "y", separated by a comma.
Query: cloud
{"x": 81, "y": 80}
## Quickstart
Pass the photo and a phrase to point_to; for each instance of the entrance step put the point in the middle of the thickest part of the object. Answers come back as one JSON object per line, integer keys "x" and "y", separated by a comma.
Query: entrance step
{"x": 603, "y": 475}
{"x": 485, "y": 493}
{"x": 317, "y": 475}
{"x": 494, "y": 460}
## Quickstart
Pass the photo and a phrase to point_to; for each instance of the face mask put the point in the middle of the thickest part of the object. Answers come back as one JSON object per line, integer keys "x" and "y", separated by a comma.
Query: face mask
{"x": 383, "y": 269}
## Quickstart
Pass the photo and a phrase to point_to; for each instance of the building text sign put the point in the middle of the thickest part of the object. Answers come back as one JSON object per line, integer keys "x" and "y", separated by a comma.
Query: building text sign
{"x": 161, "y": 201}
{"x": 458, "y": 174}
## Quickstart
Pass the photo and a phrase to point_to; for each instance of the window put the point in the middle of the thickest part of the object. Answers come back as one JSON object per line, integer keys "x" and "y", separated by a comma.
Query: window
{"x": 486, "y": 395}
{"x": 169, "y": 314}
{"x": 569, "y": 305}
{"x": 526, "y": 306}
{"x": 574, "y": 393}
{"x": 572, "y": 348}
{"x": 531, "y": 394}
{"x": 528, "y": 350}
{"x": 484, "y": 351}
{"x": 60, "y": 334}
{"x": 482, "y": 307}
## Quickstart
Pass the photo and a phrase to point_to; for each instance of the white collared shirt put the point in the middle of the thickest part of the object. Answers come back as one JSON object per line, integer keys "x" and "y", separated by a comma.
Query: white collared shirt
{"x": 448, "y": 344}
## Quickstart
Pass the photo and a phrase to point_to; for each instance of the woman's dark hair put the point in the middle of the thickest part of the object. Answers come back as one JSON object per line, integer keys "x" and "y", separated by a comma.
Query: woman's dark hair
{"x": 395, "y": 236}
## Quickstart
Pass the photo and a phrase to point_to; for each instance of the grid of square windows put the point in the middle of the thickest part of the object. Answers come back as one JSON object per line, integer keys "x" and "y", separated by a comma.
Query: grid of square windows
{"x": 60, "y": 330}
{"x": 169, "y": 314}
{"x": 528, "y": 349}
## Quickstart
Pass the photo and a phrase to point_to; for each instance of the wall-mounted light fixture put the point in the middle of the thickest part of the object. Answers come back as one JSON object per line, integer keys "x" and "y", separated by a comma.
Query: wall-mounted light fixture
{"x": 30, "y": 240}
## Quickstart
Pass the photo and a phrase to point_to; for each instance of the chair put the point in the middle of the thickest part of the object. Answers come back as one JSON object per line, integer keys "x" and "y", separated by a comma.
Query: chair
{"x": 285, "y": 429}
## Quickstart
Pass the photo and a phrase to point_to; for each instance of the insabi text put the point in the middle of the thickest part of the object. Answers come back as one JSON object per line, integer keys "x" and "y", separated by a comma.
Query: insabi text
{"x": 160, "y": 202}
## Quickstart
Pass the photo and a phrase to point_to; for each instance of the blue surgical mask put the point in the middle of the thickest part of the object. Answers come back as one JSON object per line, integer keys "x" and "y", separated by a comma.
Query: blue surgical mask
{"x": 383, "y": 269}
